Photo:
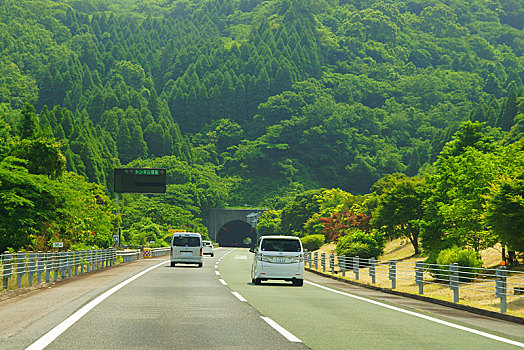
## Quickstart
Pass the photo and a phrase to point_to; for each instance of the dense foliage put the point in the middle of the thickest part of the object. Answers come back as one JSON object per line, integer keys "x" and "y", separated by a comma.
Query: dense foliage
{"x": 361, "y": 244}
{"x": 263, "y": 101}
{"x": 471, "y": 198}
{"x": 468, "y": 260}
{"x": 313, "y": 242}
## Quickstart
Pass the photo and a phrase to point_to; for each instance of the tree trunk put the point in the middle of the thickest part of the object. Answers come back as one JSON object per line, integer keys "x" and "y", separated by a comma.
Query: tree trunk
{"x": 413, "y": 238}
{"x": 512, "y": 260}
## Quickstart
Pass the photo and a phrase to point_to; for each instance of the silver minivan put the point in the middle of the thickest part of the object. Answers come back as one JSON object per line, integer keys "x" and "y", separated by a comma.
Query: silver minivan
{"x": 278, "y": 258}
{"x": 186, "y": 248}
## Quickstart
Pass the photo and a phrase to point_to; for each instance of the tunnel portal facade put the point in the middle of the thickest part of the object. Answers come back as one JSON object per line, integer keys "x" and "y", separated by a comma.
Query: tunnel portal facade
{"x": 233, "y": 227}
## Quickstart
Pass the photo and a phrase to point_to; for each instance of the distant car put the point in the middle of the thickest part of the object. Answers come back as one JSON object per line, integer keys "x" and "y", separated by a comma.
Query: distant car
{"x": 278, "y": 258}
{"x": 208, "y": 248}
{"x": 186, "y": 248}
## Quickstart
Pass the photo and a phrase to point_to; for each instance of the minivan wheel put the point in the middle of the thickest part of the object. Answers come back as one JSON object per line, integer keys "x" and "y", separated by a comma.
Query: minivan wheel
{"x": 172, "y": 264}
{"x": 297, "y": 282}
{"x": 200, "y": 265}
{"x": 258, "y": 281}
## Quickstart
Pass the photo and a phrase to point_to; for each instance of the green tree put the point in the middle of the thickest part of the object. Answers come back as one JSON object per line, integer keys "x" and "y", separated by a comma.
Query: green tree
{"x": 269, "y": 223}
{"x": 5, "y": 137}
{"x": 505, "y": 211}
{"x": 43, "y": 156}
{"x": 297, "y": 212}
{"x": 456, "y": 200}
{"x": 400, "y": 209}
{"x": 28, "y": 127}
{"x": 27, "y": 202}
{"x": 504, "y": 203}
{"x": 509, "y": 111}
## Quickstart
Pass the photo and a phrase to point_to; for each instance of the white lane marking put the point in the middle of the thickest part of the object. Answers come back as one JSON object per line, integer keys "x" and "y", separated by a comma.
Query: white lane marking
{"x": 281, "y": 330}
{"x": 216, "y": 266}
{"x": 239, "y": 297}
{"x": 240, "y": 257}
{"x": 47, "y": 338}
{"x": 429, "y": 318}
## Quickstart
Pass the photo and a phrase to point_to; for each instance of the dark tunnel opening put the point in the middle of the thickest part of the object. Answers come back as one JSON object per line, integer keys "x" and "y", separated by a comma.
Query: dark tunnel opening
{"x": 236, "y": 234}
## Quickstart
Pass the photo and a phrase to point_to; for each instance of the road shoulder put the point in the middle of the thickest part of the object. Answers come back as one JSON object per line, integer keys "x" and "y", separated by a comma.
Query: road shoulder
{"x": 56, "y": 301}
{"x": 465, "y": 318}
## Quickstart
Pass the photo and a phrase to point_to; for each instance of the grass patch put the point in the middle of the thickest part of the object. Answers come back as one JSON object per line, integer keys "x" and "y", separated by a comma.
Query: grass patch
{"x": 479, "y": 294}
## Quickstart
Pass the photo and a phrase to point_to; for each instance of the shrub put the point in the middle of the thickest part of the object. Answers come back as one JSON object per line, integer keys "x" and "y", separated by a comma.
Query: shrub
{"x": 312, "y": 242}
{"x": 361, "y": 244}
{"x": 467, "y": 259}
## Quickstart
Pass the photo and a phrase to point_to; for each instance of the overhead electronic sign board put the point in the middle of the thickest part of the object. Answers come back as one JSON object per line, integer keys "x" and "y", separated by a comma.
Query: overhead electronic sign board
{"x": 140, "y": 180}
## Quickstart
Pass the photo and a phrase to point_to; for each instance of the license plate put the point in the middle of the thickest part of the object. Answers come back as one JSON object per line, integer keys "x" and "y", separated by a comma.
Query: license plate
{"x": 281, "y": 260}
{"x": 187, "y": 254}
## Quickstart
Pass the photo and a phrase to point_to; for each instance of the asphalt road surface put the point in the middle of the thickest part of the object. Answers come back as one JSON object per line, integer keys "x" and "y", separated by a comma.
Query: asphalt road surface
{"x": 147, "y": 304}
{"x": 327, "y": 318}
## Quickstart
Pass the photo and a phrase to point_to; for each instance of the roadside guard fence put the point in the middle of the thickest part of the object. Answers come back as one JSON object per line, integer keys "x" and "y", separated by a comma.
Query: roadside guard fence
{"x": 19, "y": 270}
{"x": 495, "y": 287}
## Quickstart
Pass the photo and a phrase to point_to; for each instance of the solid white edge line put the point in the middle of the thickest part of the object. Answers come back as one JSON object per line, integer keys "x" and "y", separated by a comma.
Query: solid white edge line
{"x": 47, "y": 338}
{"x": 222, "y": 281}
{"x": 281, "y": 330}
{"x": 239, "y": 297}
{"x": 429, "y": 318}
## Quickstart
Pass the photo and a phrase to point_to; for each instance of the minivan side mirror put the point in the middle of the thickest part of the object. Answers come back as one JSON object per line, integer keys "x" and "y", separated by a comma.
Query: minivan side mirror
{"x": 252, "y": 249}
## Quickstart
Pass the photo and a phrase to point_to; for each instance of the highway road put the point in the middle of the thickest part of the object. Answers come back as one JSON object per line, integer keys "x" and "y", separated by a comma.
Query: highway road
{"x": 148, "y": 304}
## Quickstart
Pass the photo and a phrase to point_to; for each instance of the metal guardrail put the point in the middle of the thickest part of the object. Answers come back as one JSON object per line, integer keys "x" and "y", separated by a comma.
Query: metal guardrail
{"x": 156, "y": 252}
{"x": 500, "y": 283}
{"x": 129, "y": 255}
{"x": 25, "y": 269}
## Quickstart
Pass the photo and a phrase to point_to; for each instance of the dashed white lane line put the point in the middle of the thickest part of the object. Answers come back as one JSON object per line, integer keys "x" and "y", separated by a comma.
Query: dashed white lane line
{"x": 429, "y": 318}
{"x": 288, "y": 335}
{"x": 239, "y": 297}
{"x": 47, "y": 338}
{"x": 217, "y": 273}
{"x": 281, "y": 330}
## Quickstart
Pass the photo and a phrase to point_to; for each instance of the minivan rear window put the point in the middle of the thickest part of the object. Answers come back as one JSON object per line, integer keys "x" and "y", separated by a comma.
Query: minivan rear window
{"x": 280, "y": 245}
{"x": 182, "y": 241}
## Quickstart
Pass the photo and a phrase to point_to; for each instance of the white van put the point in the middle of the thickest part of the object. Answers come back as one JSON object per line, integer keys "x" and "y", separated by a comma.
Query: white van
{"x": 278, "y": 258}
{"x": 186, "y": 248}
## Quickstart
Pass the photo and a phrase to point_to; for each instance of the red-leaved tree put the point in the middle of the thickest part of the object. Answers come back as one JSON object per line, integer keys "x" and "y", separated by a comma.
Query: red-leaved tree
{"x": 337, "y": 224}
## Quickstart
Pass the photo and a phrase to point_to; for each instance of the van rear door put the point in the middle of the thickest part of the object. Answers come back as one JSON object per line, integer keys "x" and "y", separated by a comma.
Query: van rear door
{"x": 187, "y": 246}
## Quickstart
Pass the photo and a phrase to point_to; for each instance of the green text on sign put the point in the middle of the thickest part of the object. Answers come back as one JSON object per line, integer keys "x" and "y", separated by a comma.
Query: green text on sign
{"x": 147, "y": 172}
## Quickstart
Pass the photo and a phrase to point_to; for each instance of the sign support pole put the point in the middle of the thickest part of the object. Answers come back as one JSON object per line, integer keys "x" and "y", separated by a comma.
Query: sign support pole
{"x": 117, "y": 199}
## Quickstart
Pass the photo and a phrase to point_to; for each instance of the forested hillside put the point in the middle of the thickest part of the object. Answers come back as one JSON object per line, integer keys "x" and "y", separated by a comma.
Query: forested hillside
{"x": 255, "y": 101}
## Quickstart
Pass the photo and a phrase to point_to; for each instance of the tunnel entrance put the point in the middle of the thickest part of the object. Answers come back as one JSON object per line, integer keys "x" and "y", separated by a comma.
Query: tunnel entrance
{"x": 236, "y": 234}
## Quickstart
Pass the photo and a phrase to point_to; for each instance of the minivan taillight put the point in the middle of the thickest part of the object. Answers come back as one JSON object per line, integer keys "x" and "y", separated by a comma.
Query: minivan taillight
{"x": 171, "y": 250}
{"x": 200, "y": 251}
